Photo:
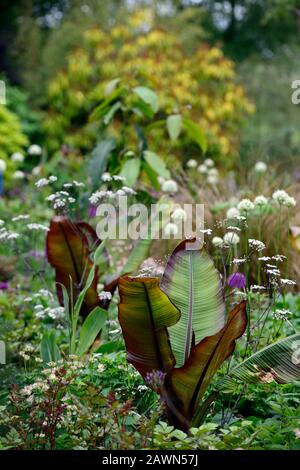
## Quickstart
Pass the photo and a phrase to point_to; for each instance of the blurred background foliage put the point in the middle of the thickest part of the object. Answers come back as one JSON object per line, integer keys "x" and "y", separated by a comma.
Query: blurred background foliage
{"x": 61, "y": 52}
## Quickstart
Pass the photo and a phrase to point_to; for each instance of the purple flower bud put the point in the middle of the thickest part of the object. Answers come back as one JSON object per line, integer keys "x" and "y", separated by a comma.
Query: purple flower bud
{"x": 237, "y": 280}
{"x": 92, "y": 211}
{"x": 155, "y": 379}
{"x": 3, "y": 285}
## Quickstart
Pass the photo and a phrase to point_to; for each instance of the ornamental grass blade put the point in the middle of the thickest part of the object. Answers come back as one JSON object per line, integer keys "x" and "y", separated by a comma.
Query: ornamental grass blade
{"x": 145, "y": 313}
{"x": 190, "y": 382}
{"x": 279, "y": 362}
{"x": 69, "y": 249}
{"x": 192, "y": 283}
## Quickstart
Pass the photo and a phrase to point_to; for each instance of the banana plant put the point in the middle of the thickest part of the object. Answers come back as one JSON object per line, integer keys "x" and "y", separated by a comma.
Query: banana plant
{"x": 177, "y": 335}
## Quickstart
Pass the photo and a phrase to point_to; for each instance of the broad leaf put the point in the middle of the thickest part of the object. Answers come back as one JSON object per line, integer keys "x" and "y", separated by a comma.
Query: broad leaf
{"x": 174, "y": 126}
{"x": 147, "y": 95}
{"x": 192, "y": 283}
{"x": 279, "y": 362}
{"x": 90, "y": 329}
{"x": 69, "y": 249}
{"x": 131, "y": 170}
{"x": 99, "y": 159}
{"x": 49, "y": 349}
{"x": 145, "y": 313}
{"x": 195, "y": 134}
{"x": 156, "y": 163}
{"x": 190, "y": 382}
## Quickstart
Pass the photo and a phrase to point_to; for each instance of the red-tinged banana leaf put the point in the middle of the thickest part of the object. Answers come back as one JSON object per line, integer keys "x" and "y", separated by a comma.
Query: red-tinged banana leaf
{"x": 192, "y": 283}
{"x": 145, "y": 313}
{"x": 190, "y": 382}
{"x": 69, "y": 248}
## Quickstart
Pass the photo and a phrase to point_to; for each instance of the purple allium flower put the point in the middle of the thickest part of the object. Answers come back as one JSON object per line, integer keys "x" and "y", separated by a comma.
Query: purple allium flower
{"x": 155, "y": 379}
{"x": 3, "y": 285}
{"x": 92, "y": 211}
{"x": 237, "y": 280}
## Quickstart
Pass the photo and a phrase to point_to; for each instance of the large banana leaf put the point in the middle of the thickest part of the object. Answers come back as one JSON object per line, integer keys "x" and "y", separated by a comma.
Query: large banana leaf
{"x": 279, "y": 362}
{"x": 69, "y": 247}
{"x": 190, "y": 382}
{"x": 145, "y": 313}
{"x": 192, "y": 283}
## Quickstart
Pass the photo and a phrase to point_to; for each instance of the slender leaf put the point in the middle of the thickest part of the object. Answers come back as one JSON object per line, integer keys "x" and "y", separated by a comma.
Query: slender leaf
{"x": 49, "y": 349}
{"x": 90, "y": 329}
{"x": 195, "y": 134}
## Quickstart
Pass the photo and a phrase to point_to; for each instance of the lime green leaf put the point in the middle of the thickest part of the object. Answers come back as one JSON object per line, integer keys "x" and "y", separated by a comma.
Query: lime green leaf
{"x": 110, "y": 86}
{"x": 148, "y": 96}
{"x": 156, "y": 163}
{"x": 49, "y": 349}
{"x": 90, "y": 329}
{"x": 131, "y": 170}
{"x": 174, "y": 125}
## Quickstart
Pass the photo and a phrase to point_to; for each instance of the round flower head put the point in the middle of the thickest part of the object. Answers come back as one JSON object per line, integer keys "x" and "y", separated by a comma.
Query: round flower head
{"x": 161, "y": 180}
{"x": 283, "y": 199}
{"x": 35, "y": 149}
{"x": 3, "y": 166}
{"x": 212, "y": 172}
{"x": 170, "y": 229}
{"x": 192, "y": 164}
{"x": 36, "y": 170}
{"x": 209, "y": 163}
{"x": 169, "y": 186}
{"x": 260, "y": 201}
{"x": 237, "y": 281}
{"x": 260, "y": 167}
{"x": 246, "y": 205}
{"x": 179, "y": 214}
{"x": 19, "y": 175}
{"x": 231, "y": 238}
{"x": 212, "y": 179}
{"x": 202, "y": 169}
{"x": 17, "y": 157}
{"x": 217, "y": 242}
{"x": 232, "y": 213}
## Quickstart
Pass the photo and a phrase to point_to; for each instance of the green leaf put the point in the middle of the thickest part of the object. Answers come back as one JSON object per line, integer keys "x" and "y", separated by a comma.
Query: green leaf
{"x": 190, "y": 382}
{"x": 99, "y": 159}
{"x": 152, "y": 175}
{"x": 111, "y": 86}
{"x": 148, "y": 95}
{"x": 174, "y": 126}
{"x": 110, "y": 347}
{"x": 195, "y": 133}
{"x": 90, "y": 329}
{"x": 131, "y": 170}
{"x": 49, "y": 349}
{"x": 279, "y": 362}
{"x": 156, "y": 163}
{"x": 145, "y": 313}
{"x": 109, "y": 116}
{"x": 192, "y": 283}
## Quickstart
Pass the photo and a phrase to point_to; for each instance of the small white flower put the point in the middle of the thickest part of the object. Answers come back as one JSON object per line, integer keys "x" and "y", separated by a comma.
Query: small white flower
{"x": 281, "y": 314}
{"x": 283, "y": 199}
{"x": 260, "y": 167}
{"x": 287, "y": 282}
{"x": 246, "y": 205}
{"x": 213, "y": 172}
{"x": 256, "y": 244}
{"x": 209, "y": 163}
{"x": 36, "y": 170}
{"x": 1, "y": 223}
{"x": 13, "y": 236}
{"x": 35, "y": 149}
{"x": 3, "y": 166}
{"x": 260, "y": 201}
{"x": 231, "y": 238}
{"x": 170, "y": 229}
{"x": 232, "y": 213}
{"x": 78, "y": 184}
{"x": 213, "y": 180}
{"x": 17, "y": 157}
{"x": 35, "y": 226}
{"x": 42, "y": 182}
{"x": 20, "y": 217}
{"x": 52, "y": 178}
{"x": 179, "y": 214}
{"x": 106, "y": 177}
{"x": 217, "y": 242}
{"x": 192, "y": 163}
{"x": 169, "y": 186}
{"x": 239, "y": 261}
{"x": 202, "y": 169}
{"x": 18, "y": 175}
{"x": 105, "y": 295}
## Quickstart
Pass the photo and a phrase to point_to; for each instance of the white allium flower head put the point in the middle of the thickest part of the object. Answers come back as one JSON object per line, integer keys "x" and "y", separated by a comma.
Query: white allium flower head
{"x": 179, "y": 214}
{"x": 213, "y": 172}
{"x": 192, "y": 163}
{"x": 17, "y": 157}
{"x": 260, "y": 167}
{"x": 232, "y": 213}
{"x": 209, "y": 163}
{"x": 170, "y": 186}
{"x": 36, "y": 170}
{"x": 202, "y": 169}
{"x": 170, "y": 229}
{"x": 245, "y": 205}
{"x": 35, "y": 149}
{"x": 231, "y": 238}
{"x": 19, "y": 175}
{"x": 212, "y": 179}
{"x": 260, "y": 201}
{"x": 3, "y": 166}
{"x": 282, "y": 198}
{"x": 217, "y": 242}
